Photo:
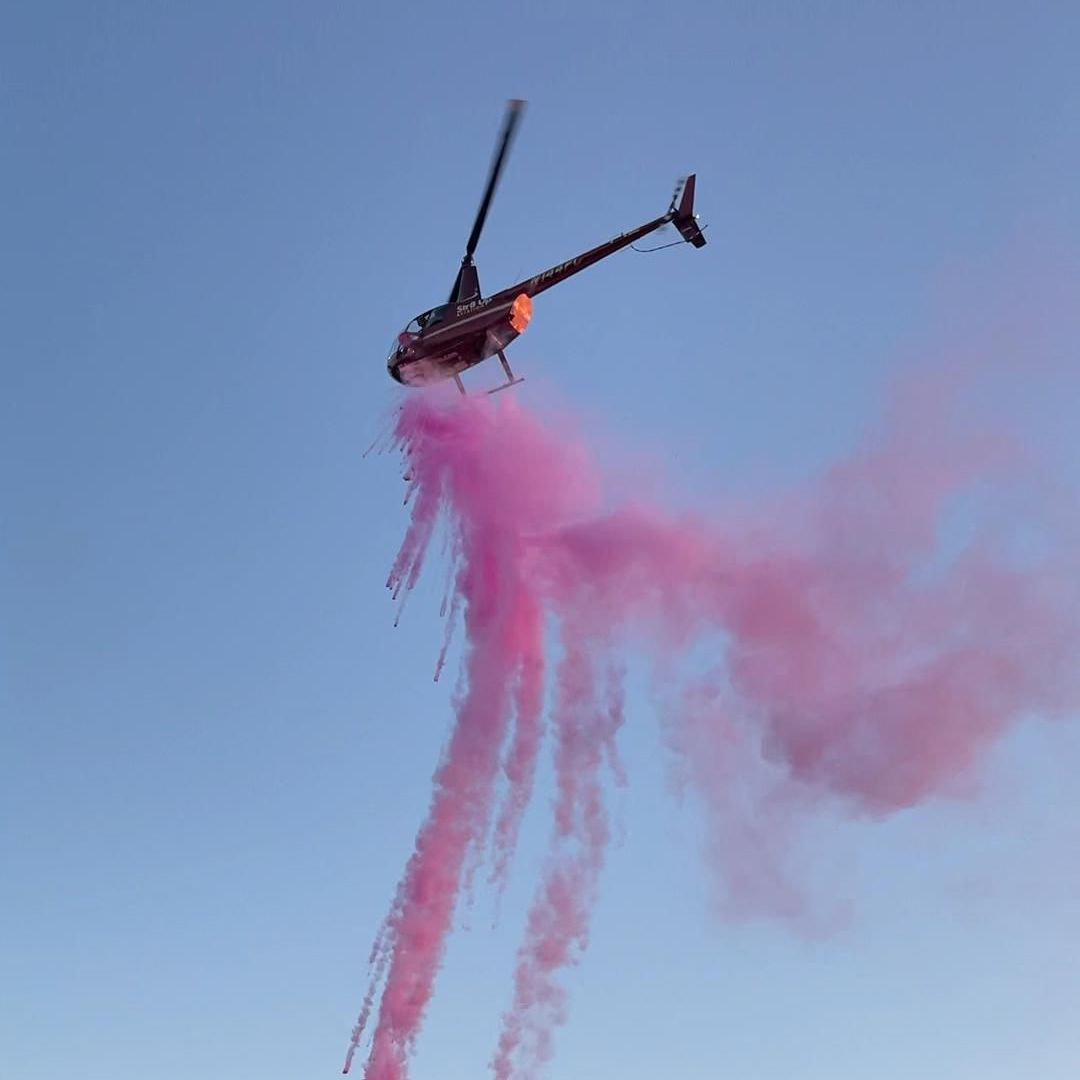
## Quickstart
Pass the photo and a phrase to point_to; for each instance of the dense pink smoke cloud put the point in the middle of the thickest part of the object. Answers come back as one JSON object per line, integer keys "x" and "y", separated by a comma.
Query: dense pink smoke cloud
{"x": 859, "y": 642}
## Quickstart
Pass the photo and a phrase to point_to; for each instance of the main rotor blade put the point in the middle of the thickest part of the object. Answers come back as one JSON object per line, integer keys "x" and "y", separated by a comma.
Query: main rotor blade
{"x": 514, "y": 109}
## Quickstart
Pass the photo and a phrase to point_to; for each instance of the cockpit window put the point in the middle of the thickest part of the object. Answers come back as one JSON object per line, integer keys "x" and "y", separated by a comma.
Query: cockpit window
{"x": 417, "y": 326}
{"x": 427, "y": 320}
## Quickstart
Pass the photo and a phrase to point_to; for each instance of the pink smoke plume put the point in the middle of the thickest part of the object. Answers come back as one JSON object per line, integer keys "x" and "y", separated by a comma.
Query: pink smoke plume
{"x": 861, "y": 642}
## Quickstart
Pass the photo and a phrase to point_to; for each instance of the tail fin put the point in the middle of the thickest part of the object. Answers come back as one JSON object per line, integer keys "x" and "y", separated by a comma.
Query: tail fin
{"x": 683, "y": 215}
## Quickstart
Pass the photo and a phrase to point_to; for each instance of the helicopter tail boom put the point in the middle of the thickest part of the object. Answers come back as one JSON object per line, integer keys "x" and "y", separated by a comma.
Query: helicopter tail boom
{"x": 684, "y": 218}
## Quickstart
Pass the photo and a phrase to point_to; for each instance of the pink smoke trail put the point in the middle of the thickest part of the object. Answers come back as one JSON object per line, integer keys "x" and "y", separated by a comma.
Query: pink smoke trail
{"x": 586, "y": 723}
{"x": 522, "y": 756}
{"x": 497, "y": 500}
{"x": 869, "y": 637}
{"x": 377, "y": 964}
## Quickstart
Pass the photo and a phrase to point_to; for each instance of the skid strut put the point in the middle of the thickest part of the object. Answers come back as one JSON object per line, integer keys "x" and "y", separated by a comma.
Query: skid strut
{"x": 511, "y": 380}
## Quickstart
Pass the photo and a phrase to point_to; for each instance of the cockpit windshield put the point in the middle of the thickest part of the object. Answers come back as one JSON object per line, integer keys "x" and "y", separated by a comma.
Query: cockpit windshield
{"x": 417, "y": 327}
{"x": 431, "y": 318}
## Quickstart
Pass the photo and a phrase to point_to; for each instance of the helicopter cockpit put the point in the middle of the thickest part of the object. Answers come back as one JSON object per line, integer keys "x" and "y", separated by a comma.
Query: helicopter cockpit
{"x": 415, "y": 328}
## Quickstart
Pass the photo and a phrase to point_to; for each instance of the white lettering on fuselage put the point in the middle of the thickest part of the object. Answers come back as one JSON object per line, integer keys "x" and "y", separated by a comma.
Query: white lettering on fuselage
{"x": 471, "y": 306}
{"x": 555, "y": 271}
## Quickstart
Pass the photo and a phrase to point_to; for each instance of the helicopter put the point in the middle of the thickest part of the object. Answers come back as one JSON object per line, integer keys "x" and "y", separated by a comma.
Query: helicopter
{"x": 469, "y": 328}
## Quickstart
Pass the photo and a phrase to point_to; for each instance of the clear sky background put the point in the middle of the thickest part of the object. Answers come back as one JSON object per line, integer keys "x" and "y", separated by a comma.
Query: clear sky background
{"x": 217, "y": 749}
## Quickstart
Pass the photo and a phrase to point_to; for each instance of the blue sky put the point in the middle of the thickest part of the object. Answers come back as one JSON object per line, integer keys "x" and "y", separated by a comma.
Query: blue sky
{"x": 216, "y": 748}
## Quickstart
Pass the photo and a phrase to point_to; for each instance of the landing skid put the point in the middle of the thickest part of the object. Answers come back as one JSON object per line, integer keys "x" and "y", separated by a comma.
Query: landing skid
{"x": 511, "y": 380}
